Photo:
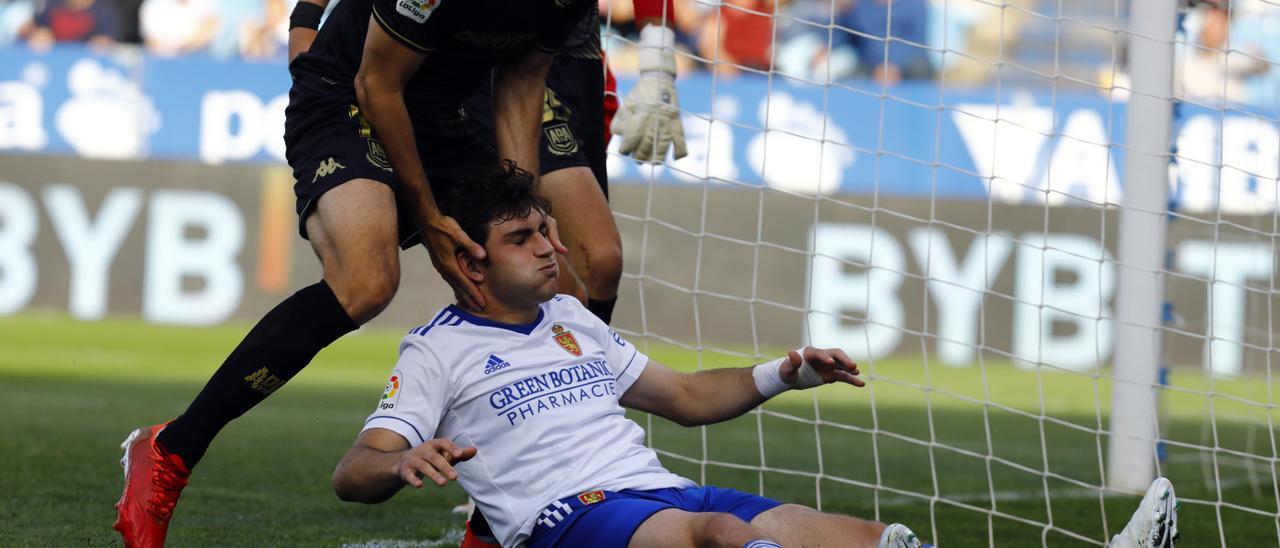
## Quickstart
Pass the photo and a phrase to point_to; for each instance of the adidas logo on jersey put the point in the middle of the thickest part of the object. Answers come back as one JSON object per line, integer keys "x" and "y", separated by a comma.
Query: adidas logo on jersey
{"x": 494, "y": 364}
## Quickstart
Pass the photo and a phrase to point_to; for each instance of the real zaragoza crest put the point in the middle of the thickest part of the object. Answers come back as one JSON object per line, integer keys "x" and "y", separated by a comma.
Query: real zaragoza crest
{"x": 591, "y": 497}
{"x": 566, "y": 340}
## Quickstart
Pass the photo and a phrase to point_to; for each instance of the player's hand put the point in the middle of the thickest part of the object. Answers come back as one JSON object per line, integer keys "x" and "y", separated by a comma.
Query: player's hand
{"x": 433, "y": 460}
{"x": 649, "y": 119}
{"x": 826, "y": 365}
{"x": 553, "y": 234}
{"x": 442, "y": 237}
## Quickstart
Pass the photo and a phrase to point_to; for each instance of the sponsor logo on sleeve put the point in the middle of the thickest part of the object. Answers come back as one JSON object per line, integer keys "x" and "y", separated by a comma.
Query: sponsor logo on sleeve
{"x": 418, "y": 10}
{"x": 391, "y": 394}
{"x": 617, "y": 338}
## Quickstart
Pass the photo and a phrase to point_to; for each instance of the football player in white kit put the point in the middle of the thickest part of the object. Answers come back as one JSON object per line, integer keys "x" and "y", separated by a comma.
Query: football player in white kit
{"x": 523, "y": 405}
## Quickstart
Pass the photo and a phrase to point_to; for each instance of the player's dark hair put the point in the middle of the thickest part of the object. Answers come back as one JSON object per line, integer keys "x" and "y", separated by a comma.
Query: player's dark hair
{"x": 493, "y": 194}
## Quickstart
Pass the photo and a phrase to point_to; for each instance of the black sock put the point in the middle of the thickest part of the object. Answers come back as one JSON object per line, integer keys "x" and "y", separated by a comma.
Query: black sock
{"x": 602, "y": 309}
{"x": 277, "y": 348}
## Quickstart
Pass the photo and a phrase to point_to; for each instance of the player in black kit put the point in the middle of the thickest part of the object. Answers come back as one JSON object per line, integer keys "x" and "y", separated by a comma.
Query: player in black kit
{"x": 374, "y": 131}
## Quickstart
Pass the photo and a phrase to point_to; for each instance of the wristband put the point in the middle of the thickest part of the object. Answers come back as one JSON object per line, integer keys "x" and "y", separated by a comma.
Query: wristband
{"x": 657, "y": 50}
{"x": 768, "y": 377}
{"x": 306, "y": 15}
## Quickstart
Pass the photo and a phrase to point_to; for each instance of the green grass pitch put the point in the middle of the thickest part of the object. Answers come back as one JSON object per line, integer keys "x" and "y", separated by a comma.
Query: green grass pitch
{"x": 917, "y": 447}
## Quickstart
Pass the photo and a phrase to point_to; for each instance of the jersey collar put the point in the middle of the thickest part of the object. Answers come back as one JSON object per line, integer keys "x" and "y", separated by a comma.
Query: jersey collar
{"x": 523, "y": 329}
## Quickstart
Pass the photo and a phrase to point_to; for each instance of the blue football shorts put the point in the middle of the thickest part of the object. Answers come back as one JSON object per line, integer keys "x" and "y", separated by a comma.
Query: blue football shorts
{"x": 609, "y": 519}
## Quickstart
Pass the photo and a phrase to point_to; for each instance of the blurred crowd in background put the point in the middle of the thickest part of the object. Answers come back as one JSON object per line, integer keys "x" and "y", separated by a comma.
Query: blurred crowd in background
{"x": 1228, "y": 50}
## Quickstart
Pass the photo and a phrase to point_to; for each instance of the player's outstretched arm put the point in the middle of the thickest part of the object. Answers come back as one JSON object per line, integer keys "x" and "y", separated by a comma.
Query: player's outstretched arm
{"x": 303, "y": 23}
{"x": 385, "y": 68}
{"x": 381, "y": 462}
{"x": 715, "y": 395}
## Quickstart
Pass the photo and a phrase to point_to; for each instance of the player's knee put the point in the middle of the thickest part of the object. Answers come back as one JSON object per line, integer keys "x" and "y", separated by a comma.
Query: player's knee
{"x": 365, "y": 292}
{"x": 604, "y": 267}
{"x": 720, "y": 529}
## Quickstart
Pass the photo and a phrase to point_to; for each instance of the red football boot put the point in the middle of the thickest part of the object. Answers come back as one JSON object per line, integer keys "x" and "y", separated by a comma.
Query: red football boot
{"x": 153, "y": 480}
{"x": 479, "y": 534}
{"x": 472, "y": 540}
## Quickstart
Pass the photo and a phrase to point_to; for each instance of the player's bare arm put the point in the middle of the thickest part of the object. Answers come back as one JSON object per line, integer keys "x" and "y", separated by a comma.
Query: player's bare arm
{"x": 518, "y": 92}
{"x": 303, "y": 23}
{"x": 381, "y": 462}
{"x": 715, "y": 395}
{"x": 385, "y": 67}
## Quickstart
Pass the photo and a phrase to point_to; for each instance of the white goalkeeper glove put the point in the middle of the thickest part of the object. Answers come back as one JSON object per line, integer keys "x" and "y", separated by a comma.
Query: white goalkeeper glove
{"x": 649, "y": 120}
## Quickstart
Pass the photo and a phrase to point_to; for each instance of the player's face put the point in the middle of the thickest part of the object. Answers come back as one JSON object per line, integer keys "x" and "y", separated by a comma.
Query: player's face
{"x": 521, "y": 268}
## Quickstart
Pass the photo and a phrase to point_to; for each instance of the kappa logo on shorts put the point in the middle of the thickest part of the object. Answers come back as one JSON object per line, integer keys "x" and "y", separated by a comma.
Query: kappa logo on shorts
{"x": 418, "y": 10}
{"x": 391, "y": 394}
{"x": 591, "y": 497}
{"x": 326, "y": 168}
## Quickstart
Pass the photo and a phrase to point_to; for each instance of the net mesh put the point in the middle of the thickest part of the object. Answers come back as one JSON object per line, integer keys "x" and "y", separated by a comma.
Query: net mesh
{"x": 936, "y": 186}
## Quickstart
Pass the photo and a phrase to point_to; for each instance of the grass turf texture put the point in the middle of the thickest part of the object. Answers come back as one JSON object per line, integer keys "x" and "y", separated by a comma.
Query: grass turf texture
{"x": 70, "y": 391}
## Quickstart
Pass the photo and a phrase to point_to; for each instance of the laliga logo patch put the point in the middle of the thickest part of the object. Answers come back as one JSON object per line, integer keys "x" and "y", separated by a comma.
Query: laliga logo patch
{"x": 566, "y": 340}
{"x": 392, "y": 393}
{"x": 591, "y": 497}
{"x": 418, "y": 10}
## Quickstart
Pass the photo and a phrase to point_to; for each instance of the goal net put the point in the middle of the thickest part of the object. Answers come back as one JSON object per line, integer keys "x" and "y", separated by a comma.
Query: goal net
{"x": 1046, "y": 229}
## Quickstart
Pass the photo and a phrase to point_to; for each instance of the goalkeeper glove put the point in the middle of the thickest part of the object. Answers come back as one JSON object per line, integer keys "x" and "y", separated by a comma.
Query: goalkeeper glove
{"x": 649, "y": 120}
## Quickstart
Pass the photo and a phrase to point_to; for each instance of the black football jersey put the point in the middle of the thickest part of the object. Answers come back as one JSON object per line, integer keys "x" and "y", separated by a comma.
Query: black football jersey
{"x": 462, "y": 39}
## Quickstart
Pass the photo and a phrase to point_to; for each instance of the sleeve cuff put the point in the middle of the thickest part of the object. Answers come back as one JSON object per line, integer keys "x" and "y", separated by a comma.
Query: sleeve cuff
{"x": 398, "y": 425}
{"x": 631, "y": 370}
{"x": 396, "y": 34}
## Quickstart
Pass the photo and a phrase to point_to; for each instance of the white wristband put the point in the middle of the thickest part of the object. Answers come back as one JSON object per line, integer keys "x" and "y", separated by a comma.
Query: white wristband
{"x": 657, "y": 53}
{"x": 769, "y": 381}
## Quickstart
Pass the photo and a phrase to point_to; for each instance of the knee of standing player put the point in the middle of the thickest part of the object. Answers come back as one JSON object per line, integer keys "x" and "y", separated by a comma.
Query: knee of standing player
{"x": 604, "y": 267}
{"x": 365, "y": 291}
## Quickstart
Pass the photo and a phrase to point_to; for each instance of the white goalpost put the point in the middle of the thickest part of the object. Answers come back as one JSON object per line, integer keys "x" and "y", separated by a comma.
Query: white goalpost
{"x": 1047, "y": 229}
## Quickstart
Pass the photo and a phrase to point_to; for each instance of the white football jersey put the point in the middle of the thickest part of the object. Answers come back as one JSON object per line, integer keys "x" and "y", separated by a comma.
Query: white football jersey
{"x": 538, "y": 401}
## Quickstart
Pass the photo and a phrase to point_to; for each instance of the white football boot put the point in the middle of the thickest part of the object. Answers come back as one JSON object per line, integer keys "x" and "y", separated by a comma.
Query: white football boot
{"x": 897, "y": 535}
{"x": 1155, "y": 523}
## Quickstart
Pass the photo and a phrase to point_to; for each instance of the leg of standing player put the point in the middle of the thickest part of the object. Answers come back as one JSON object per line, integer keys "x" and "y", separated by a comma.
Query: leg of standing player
{"x": 587, "y": 229}
{"x": 348, "y": 210}
{"x": 354, "y": 233}
{"x": 575, "y": 179}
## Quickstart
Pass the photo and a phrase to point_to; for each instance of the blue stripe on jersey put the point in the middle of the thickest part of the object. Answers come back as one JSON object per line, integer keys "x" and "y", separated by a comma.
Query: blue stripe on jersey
{"x": 415, "y": 428}
{"x": 628, "y": 366}
{"x": 424, "y": 329}
{"x": 523, "y": 329}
